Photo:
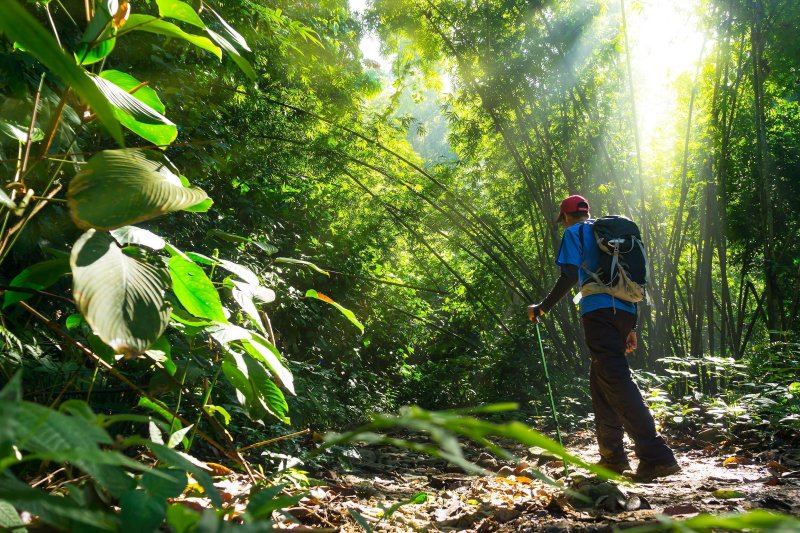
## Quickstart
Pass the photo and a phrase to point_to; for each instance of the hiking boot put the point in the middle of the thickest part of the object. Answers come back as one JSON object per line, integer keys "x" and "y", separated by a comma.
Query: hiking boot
{"x": 648, "y": 471}
{"x": 617, "y": 468}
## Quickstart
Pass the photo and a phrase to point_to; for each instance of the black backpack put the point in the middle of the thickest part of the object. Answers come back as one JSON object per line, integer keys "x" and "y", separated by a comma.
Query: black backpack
{"x": 622, "y": 268}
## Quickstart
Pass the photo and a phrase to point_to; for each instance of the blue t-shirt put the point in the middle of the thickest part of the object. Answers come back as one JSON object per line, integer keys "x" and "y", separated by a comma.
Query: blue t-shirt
{"x": 576, "y": 253}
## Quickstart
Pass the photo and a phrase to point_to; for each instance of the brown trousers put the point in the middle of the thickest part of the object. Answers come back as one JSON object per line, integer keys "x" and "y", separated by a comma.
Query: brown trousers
{"x": 616, "y": 399}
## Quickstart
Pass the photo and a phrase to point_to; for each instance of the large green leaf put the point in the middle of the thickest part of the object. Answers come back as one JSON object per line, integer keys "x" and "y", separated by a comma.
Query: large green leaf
{"x": 270, "y": 393}
{"x": 121, "y": 298}
{"x": 152, "y": 24}
{"x": 57, "y": 511}
{"x": 188, "y": 463}
{"x": 98, "y": 39}
{"x": 9, "y": 519}
{"x": 53, "y": 436}
{"x": 38, "y": 276}
{"x": 263, "y": 350}
{"x": 254, "y": 389}
{"x": 140, "y": 111}
{"x": 235, "y": 369}
{"x": 230, "y": 33}
{"x": 20, "y": 133}
{"x": 309, "y": 264}
{"x": 122, "y": 187}
{"x": 194, "y": 290}
{"x": 240, "y": 270}
{"x": 141, "y": 237}
{"x": 139, "y": 511}
{"x": 258, "y": 347}
{"x": 175, "y": 9}
{"x": 20, "y": 26}
{"x": 311, "y": 293}
{"x": 245, "y": 295}
{"x": 181, "y": 519}
{"x": 170, "y": 484}
{"x": 132, "y": 104}
{"x": 243, "y": 64}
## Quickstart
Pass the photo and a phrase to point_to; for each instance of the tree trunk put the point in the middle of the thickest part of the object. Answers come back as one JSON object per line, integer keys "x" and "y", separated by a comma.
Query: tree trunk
{"x": 772, "y": 297}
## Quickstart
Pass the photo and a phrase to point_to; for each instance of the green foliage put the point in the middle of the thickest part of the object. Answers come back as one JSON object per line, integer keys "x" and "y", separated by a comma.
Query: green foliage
{"x": 444, "y": 428}
{"x": 311, "y": 293}
{"x": 422, "y": 217}
{"x": 121, "y": 297}
{"x": 38, "y": 276}
{"x": 757, "y": 520}
{"x": 18, "y": 25}
{"x": 145, "y": 178}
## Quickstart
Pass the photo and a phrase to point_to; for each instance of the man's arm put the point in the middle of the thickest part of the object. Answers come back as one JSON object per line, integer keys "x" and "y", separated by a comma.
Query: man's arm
{"x": 567, "y": 280}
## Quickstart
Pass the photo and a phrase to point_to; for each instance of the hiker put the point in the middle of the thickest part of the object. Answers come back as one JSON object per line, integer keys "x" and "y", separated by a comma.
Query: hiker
{"x": 609, "y": 326}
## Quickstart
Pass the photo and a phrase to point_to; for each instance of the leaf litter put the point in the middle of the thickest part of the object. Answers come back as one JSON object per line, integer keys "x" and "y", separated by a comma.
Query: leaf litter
{"x": 387, "y": 489}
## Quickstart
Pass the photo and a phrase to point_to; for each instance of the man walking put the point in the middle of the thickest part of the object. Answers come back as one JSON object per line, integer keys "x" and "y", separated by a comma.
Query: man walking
{"x": 609, "y": 326}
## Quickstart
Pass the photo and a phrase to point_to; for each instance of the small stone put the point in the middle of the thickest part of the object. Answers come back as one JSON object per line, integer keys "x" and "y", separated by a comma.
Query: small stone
{"x": 506, "y": 515}
{"x": 505, "y": 471}
{"x": 711, "y": 435}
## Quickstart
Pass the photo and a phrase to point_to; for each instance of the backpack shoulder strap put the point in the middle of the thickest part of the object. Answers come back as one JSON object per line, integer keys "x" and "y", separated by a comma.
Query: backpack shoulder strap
{"x": 592, "y": 275}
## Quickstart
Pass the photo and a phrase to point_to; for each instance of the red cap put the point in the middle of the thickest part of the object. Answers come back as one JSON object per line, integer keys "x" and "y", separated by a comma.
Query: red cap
{"x": 573, "y": 204}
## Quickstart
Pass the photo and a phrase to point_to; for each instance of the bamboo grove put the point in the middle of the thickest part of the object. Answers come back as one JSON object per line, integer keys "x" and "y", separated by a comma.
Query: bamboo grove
{"x": 544, "y": 98}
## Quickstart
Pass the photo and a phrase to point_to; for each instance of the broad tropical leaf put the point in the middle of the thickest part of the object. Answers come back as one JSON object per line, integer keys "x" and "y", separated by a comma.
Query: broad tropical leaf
{"x": 99, "y": 37}
{"x": 244, "y": 294}
{"x": 309, "y": 264}
{"x": 152, "y": 24}
{"x": 235, "y": 370}
{"x": 194, "y": 290}
{"x": 229, "y": 33}
{"x": 169, "y": 484}
{"x": 139, "y": 511}
{"x": 230, "y": 237}
{"x": 254, "y": 389}
{"x": 270, "y": 392}
{"x": 57, "y": 511}
{"x": 258, "y": 347}
{"x": 141, "y": 237}
{"x": 188, "y": 463}
{"x": 263, "y": 350}
{"x": 243, "y": 64}
{"x": 20, "y": 133}
{"x": 20, "y": 26}
{"x": 10, "y": 519}
{"x": 175, "y": 9}
{"x": 122, "y": 187}
{"x": 240, "y": 270}
{"x": 121, "y": 298}
{"x": 140, "y": 111}
{"x": 38, "y": 276}
{"x": 54, "y": 436}
{"x": 311, "y": 293}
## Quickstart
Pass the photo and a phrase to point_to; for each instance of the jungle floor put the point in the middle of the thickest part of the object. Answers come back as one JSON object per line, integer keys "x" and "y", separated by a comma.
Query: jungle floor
{"x": 716, "y": 478}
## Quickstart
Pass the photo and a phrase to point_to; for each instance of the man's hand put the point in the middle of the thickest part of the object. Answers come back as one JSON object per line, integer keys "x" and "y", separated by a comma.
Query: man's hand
{"x": 631, "y": 342}
{"x": 535, "y": 312}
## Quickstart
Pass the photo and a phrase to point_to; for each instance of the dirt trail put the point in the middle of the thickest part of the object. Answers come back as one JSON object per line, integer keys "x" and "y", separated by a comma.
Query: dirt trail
{"x": 511, "y": 499}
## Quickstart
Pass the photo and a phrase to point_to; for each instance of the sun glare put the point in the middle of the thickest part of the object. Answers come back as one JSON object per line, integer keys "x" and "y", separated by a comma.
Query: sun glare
{"x": 665, "y": 42}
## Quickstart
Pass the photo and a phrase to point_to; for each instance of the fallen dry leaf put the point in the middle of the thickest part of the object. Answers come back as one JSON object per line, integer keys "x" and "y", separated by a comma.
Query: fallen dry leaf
{"x": 219, "y": 470}
{"x": 682, "y": 509}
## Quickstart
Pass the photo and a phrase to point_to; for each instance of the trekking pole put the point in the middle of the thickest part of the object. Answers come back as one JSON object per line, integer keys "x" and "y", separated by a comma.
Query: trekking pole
{"x": 550, "y": 393}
